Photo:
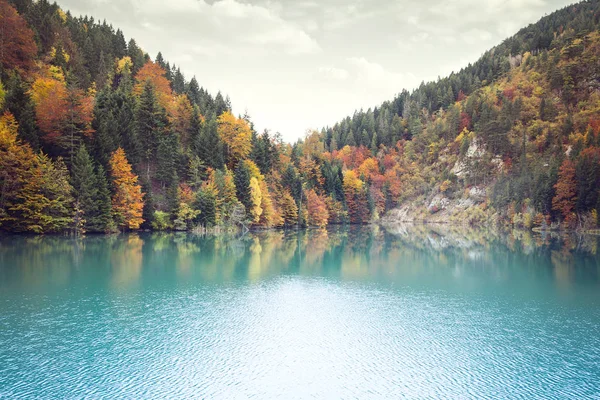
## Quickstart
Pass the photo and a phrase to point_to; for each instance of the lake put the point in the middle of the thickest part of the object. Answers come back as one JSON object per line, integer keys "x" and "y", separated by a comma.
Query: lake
{"x": 360, "y": 313}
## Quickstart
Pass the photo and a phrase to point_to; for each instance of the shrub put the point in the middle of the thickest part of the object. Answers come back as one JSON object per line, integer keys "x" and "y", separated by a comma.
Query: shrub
{"x": 161, "y": 221}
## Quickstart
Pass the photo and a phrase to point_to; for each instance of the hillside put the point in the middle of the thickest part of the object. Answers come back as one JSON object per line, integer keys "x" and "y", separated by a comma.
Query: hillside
{"x": 95, "y": 136}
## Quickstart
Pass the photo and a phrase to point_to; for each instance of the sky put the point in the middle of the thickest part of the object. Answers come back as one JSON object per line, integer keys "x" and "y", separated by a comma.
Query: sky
{"x": 295, "y": 65}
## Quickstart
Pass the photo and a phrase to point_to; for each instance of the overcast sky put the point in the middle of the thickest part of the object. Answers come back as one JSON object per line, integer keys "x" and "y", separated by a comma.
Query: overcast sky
{"x": 301, "y": 64}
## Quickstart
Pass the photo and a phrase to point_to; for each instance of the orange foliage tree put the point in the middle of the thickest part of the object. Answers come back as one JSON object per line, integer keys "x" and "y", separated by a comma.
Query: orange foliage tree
{"x": 566, "y": 189}
{"x": 162, "y": 88}
{"x": 63, "y": 115}
{"x": 318, "y": 215}
{"x": 50, "y": 97}
{"x": 369, "y": 168}
{"x": 128, "y": 200}
{"x": 17, "y": 47}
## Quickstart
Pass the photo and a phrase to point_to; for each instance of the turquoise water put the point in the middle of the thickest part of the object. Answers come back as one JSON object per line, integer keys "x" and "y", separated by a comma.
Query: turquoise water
{"x": 361, "y": 313}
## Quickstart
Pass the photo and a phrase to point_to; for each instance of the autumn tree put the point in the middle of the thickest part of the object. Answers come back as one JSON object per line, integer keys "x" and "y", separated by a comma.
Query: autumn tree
{"x": 317, "y": 209}
{"x": 269, "y": 217}
{"x": 50, "y": 97}
{"x": 17, "y": 166}
{"x": 356, "y": 198}
{"x": 255, "y": 200}
{"x": 36, "y": 194}
{"x": 64, "y": 115}
{"x": 186, "y": 213}
{"x": 236, "y": 135}
{"x": 152, "y": 74}
{"x": 78, "y": 122}
{"x": 17, "y": 47}
{"x": 127, "y": 200}
{"x": 289, "y": 209}
{"x": 566, "y": 190}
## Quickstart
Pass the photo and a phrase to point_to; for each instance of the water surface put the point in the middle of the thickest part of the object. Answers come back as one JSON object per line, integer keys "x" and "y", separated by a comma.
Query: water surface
{"x": 359, "y": 313}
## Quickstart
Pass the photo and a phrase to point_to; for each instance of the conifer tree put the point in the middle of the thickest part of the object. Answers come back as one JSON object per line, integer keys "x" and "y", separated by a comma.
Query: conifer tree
{"x": 210, "y": 146}
{"x": 103, "y": 221}
{"x": 149, "y": 204}
{"x": 242, "y": 186}
{"x": 195, "y": 131}
{"x": 165, "y": 159}
{"x": 85, "y": 187}
{"x": 19, "y": 103}
{"x": 193, "y": 91}
{"x": 206, "y": 203}
{"x": 147, "y": 125}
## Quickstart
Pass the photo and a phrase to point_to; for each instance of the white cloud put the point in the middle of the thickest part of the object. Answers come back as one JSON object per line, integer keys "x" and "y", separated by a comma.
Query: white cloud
{"x": 475, "y": 35}
{"x": 419, "y": 37}
{"x": 226, "y": 21}
{"x": 338, "y": 74}
{"x": 413, "y": 20}
{"x": 376, "y": 77}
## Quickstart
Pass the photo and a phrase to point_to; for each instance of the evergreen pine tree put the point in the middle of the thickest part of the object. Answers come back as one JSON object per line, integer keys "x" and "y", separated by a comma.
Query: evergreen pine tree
{"x": 149, "y": 207}
{"x": 242, "y": 185}
{"x": 193, "y": 91}
{"x": 206, "y": 203}
{"x": 220, "y": 104}
{"x": 210, "y": 147}
{"x": 165, "y": 159}
{"x": 374, "y": 146}
{"x": 195, "y": 131}
{"x": 84, "y": 182}
{"x": 178, "y": 82}
{"x": 103, "y": 221}
{"x": 147, "y": 124}
{"x": 21, "y": 106}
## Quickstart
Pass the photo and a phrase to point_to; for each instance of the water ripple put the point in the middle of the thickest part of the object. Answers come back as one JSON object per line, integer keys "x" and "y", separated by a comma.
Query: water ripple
{"x": 296, "y": 337}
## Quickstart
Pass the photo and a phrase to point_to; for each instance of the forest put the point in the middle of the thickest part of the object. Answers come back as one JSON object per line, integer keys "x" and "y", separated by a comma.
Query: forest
{"x": 98, "y": 136}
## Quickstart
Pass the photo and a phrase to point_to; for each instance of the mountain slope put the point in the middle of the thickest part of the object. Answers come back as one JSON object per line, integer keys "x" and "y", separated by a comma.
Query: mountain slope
{"x": 499, "y": 129}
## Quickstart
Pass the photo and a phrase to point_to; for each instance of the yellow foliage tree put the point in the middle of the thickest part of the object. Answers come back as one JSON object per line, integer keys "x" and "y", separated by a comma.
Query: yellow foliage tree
{"x": 237, "y": 136}
{"x": 269, "y": 217}
{"x": 124, "y": 65}
{"x": 128, "y": 199}
{"x": 289, "y": 209}
{"x": 256, "y": 198}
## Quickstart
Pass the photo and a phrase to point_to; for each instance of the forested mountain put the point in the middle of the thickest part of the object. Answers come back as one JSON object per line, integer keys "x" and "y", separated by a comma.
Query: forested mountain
{"x": 95, "y": 136}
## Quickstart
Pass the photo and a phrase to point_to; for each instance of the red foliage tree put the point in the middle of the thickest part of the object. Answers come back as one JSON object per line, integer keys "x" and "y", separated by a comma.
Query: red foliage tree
{"x": 17, "y": 48}
{"x": 465, "y": 121}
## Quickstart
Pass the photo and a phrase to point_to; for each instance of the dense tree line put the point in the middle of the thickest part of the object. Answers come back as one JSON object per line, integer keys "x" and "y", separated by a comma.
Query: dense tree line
{"x": 97, "y": 136}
